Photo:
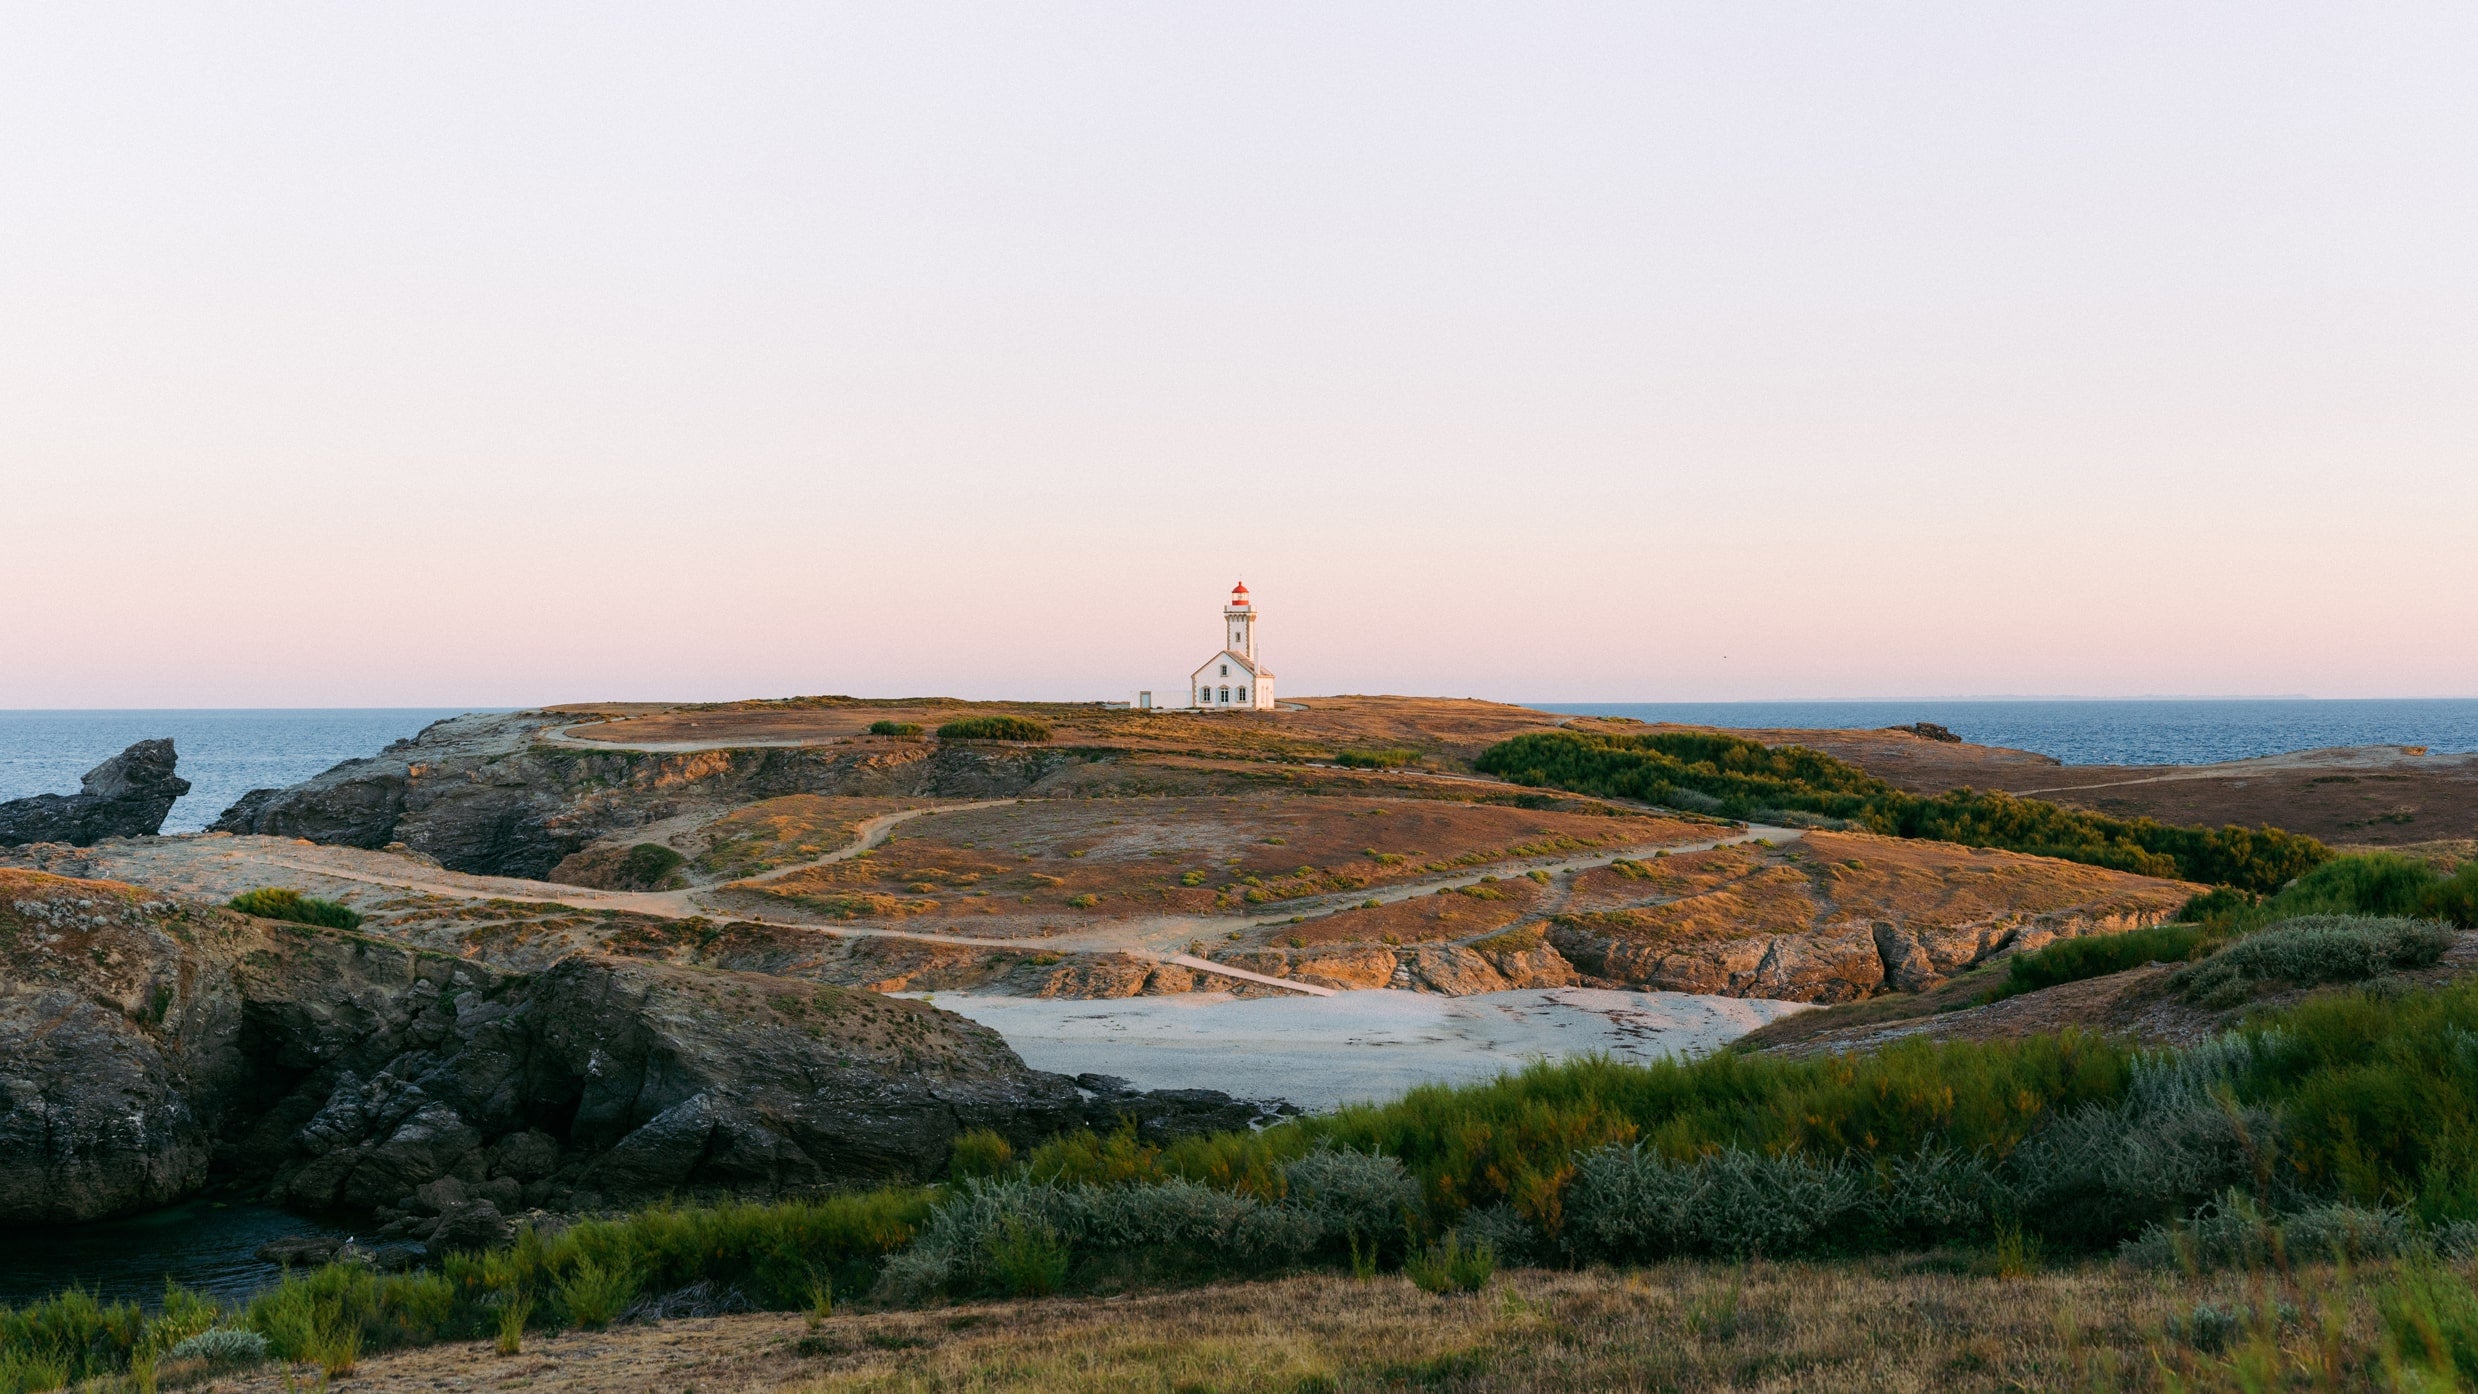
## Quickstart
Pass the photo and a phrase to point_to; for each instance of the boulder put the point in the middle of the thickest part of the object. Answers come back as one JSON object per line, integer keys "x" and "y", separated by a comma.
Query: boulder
{"x": 470, "y": 1226}
{"x": 1450, "y": 969}
{"x": 125, "y": 796}
{"x": 301, "y": 1250}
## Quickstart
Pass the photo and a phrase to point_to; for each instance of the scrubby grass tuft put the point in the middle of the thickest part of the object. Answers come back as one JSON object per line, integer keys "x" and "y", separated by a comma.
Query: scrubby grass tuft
{"x": 2097, "y": 955}
{"x": 994, "y": 728}
{"x": 1374, "y": 759}
{"x": 1451, "y": 1266}
{"x": 905, "y": 730}
{"x": 283, "y": 903}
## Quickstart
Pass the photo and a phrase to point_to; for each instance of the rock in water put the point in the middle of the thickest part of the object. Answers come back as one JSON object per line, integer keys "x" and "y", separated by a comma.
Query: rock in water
{"x": 125, "y": 796}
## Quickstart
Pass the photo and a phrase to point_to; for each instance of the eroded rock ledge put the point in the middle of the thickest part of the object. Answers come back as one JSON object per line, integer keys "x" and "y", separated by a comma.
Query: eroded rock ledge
{"x": 146, "y": 1043}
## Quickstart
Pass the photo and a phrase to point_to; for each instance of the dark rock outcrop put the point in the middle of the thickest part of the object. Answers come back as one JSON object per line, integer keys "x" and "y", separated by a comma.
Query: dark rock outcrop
{"x": 479, "y": 794}
{"x": 125, "y": 796}
{"x": 145, "y": 1042}
{"x": 120, "y": 1031}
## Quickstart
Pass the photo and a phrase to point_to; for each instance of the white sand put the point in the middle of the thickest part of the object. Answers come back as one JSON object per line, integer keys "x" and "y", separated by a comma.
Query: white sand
{"x": 1319, "y": 1052}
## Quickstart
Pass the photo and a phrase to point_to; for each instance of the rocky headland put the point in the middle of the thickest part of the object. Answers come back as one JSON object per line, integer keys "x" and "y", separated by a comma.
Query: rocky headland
{"x": 150, "y": 1044}
{"x": 125, "y": 796}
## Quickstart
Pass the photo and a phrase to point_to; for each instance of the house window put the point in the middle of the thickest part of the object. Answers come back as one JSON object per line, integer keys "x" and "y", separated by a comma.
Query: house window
{"x": 1204, "y": 694}
{"x": 1226, "y": 670}
{"x": 1225, "y": 694}
{"x": 1243, "y": 694}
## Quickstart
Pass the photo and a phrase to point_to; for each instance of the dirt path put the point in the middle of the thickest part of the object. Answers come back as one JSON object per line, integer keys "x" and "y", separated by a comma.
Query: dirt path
{"x": 1161, "y": 938}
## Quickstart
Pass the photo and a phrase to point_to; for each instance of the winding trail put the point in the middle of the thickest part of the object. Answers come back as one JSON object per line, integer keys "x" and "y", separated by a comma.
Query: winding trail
{"x": 1160, "y": 938}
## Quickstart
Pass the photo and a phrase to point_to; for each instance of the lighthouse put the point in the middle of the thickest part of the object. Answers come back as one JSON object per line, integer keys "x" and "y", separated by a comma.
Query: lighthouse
{"x": 1233, "y": 679}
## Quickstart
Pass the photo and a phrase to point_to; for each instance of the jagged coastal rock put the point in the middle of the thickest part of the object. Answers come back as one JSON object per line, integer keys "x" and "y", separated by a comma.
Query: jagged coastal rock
{"x": 478, "y": 794}
{"x": 146, "y": 1042}
{"x": 125, "y": 796}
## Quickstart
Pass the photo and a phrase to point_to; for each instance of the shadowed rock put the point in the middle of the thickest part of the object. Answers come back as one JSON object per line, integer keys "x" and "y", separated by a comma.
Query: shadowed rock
{"x": 146, "y": 1041}
{"x": 125, "y": 796}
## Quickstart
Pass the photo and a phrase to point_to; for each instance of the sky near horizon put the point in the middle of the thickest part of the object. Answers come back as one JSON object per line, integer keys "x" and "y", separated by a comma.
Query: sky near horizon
{"x": 495, "y": 355}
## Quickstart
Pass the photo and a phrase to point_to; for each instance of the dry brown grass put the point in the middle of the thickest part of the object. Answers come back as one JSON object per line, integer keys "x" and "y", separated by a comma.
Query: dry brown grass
{"x": 1893, "y": 1325}
{"x": 1198, "y": 855}
{"x": 1446, "y": 732}
{"x": 1835, "y": 878}
{"x": 780, "y": 831}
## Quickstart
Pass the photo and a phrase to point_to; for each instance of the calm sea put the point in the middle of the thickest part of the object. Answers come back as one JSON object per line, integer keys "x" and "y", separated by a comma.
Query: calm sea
{"x": 224, "y": 754}
{"x": 2186, "y": 732}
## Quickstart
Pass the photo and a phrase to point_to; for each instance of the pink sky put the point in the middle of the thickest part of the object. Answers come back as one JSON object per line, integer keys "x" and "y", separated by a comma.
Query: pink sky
{"x": 496, "y": 355}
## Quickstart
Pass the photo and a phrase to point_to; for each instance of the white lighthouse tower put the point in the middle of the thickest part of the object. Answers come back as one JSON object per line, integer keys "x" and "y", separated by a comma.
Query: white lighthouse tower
{"x": 1233, "y": 680}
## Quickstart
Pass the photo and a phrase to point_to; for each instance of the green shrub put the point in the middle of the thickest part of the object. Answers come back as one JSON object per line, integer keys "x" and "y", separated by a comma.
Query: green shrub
{"x": 648, "y": 866}
{"x": 2096, "y": 955}
{"x": 1374, "y": 759}
{"x": 593, "y": 1295}
{"x": 281, "y": 903}
{"x": 509, "y": 1328}
{"x": 2372, "y": 883}
{"x": 994, "y": 728}
{"x": 980, "y": 1152}
{"x": 1747, "y": 779}
{"x": 2431, "y": 1314}
{"x": 2311, "y": 950}
{"x": 222, "y": 1348}
{"x": 1026, "y": 1258}
{"x": 1449, "y": 1266}
{"x": 2453, "y": 898}
{"x": 907, "y": 730}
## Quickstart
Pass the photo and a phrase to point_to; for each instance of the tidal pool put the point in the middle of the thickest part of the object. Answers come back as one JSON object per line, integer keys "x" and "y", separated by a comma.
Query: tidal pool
{"x": 205, "y": 1244}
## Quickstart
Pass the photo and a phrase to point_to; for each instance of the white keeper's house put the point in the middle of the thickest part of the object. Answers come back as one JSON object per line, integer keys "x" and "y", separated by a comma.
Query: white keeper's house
{"x": 1232, "y": 680}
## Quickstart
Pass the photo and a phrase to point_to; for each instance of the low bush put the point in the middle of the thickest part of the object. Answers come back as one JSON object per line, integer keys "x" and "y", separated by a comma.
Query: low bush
{"x": 1017, "y": 1236}
{"x": 281, "y": 903}
{"x": 2367, "y": 883}
{"x": 906, "y": 730}
{"x": 2311, "y": 950}
{"x": 593, "y": 1295}
{"x": 1374, "y": 759}
{"x": 221, "y": 1348}
{"x": 2231, "y": 1231}
{"x": 1451, "y": 1266}
{"x": 649, "y": 866}
{"x": 994, "y": 728}
{"x": 1747, "y": 779}
{"x": 2097, "y": 955}
{"x": 980, "y": 1152}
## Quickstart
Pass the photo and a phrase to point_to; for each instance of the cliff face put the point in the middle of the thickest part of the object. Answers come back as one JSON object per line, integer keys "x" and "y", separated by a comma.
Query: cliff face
{"x": 120, "y": 1031}
{"x": 478, "y": 795}
{"x": 125, "y": 796}
{"x": 143, "y": 1040}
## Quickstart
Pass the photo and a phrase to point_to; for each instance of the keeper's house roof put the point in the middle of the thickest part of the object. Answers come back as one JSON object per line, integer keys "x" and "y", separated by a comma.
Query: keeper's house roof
{"x": 1226, "y": 656}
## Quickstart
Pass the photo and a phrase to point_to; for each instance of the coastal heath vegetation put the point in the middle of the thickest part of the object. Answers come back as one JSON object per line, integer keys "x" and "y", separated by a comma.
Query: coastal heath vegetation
{"x": 2347, "y": 1122}
{"x": 283, "y": 903}
{"x": 1746, "y": 779}
{"x": 2362, "y": 899}
{"x": 994, "y": 728}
